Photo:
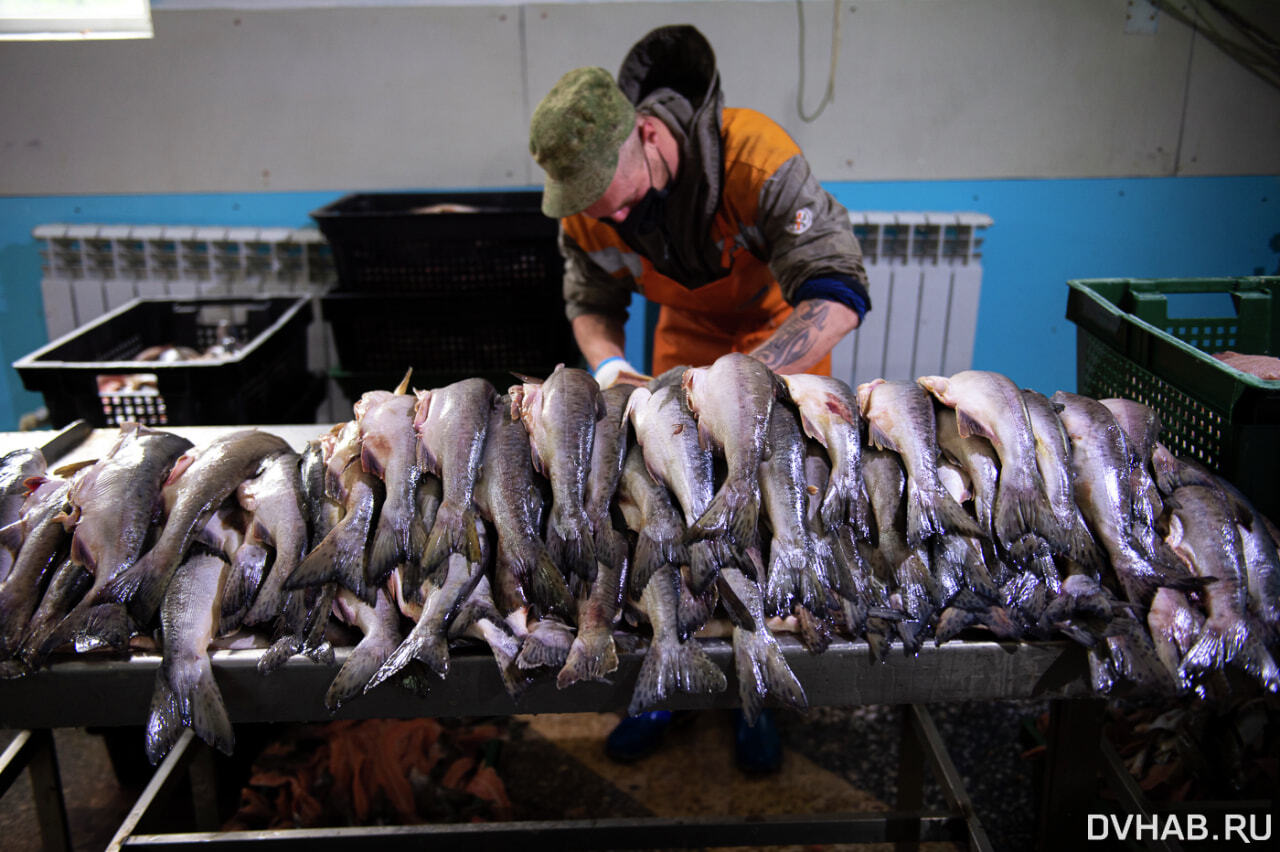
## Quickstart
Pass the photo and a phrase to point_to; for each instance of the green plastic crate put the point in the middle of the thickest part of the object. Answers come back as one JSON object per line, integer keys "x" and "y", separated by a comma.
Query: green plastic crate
{"x": 1128, "y": 346}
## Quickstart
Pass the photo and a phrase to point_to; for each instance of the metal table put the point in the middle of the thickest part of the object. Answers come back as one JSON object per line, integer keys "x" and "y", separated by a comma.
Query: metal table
{"x": 114, "y": 691}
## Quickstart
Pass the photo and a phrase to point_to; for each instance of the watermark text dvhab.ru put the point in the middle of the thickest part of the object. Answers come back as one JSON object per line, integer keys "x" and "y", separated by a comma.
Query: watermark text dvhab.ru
{"x": 1224, "y": 828}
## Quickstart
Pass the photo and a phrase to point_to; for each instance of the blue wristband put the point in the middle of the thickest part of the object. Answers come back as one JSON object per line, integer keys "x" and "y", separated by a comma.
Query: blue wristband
{"x": 843, "y": 290}
{"x": 606, "y": 361}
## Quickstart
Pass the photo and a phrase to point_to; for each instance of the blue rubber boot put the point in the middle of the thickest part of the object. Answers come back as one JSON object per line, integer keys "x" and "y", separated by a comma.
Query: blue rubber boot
{"x": 757, "y": 748}
{"x": 637, "y": 736}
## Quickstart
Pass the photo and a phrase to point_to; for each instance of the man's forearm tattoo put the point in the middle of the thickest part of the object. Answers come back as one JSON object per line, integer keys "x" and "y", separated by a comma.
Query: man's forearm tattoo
{"x": 796, "y": 336}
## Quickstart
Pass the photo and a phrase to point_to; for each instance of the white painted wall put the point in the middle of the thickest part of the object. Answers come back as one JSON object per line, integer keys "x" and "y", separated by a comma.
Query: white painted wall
{"x": 370, "y": 97}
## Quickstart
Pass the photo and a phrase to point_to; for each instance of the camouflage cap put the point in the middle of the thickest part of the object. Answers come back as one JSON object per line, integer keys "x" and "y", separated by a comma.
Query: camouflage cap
{"x": 575, "y": 135}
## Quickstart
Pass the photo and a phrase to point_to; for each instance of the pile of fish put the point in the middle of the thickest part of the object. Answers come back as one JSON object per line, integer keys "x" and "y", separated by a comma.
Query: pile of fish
{"x": 558, "y": 521}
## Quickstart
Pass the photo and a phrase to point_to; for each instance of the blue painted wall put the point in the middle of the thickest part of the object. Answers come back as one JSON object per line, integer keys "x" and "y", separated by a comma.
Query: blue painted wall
{"x": 1045, "y": 232}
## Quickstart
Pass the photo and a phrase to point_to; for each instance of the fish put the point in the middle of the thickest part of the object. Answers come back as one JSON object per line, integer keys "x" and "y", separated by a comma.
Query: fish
{"x": 451, "y": 423}
{"x": 16, "y": 468}
{"x": 380, "y": 628}
{"x": 900, "y": 418}
{"x": 1262, "y": 571}
{"x": 731, "y": 401}
{"x": 389, "y": 451}
{"x": 43, "y": 548}
{"x": 1174, "y": 625}
{"x": 1141, "y": 427}
{"x": 1206, "y": 538}
{"x": 546, "y": 644}
{"x": 274, "y": 498}
{"x": 796, "y": 575}
{"x": 201, "y": 479}
{"x": 1100, "y": 461}
{"x": 648, "y": 511}
{"x": 113, "y": 508}
{"x": 991, "y": 405}
{"x": 675, "y": 457}
{"x": 341, "y": 555}
{"x": 761, "y": 666}
{"x": 508, "y": 497}
{"x": 670, "y": 665}
{"x": 829, "y": 414}
{"x": 321, "y": 510}
{"x": 1053, "y": 459}
{"x": 186, "y": 694}
{"x": 560, "y": 415}
{"x": 975, "y": 455}
{"x": 608, "y": 450}
{"x": 593, "y": 655}
{"x": 1172, "y": 472}
{"x": 480, "y": 619}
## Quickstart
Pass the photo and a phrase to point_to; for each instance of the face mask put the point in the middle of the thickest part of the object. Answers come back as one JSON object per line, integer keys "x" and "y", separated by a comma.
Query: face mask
{"x": 647, "y": 214}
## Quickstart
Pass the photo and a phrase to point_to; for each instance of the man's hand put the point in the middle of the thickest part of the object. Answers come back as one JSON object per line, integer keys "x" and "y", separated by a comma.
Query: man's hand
{"x": 807, "y": 336}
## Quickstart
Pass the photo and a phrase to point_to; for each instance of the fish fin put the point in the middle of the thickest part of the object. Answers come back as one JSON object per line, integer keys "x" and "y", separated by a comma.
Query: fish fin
{"x": 11, "y": 537}
{"x": 734, "y": 510}
{"x": 592, "y": 656}
{"x": 547, "y": 644}
{"x": 763, "y": 670}
{"x": 366, "y": 658}
{"x": 454, "y": 531}
{"x": 968, "y": 426}
{"x": 935, "y": 513}
{"x": 280, "y": 652}
{"x": 388, "y": 550}
{"x": 245, "y": 593}
{"x": 546, "y": 585}
{"x": 1254, "y": 660}
{"x": 505, "y": 647}
{"x": 403, "y": 387}
{"x": 103, "y": 624}
{"x": 340, "y": 558}
{"x": 370, "y": 463}
{"x": 671, "y": 666}
{"x": 140, "y": 588}
{"x": 845, "y": 502}
{"x": 815, "y": 633}
{"x": 420, "y": 645}
{"x": 912, "y": 634}
{"x": 571, "y": 544}
{"x": 879, "y": 438}
{"x": 1025, "y": 510}
{"x": 812, "y": 429}
{"x": 952, "y": 621}
{"x": 704, "y": 559}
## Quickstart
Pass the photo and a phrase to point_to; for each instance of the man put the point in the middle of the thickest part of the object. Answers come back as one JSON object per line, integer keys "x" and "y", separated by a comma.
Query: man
{"x": 711, "y": 212}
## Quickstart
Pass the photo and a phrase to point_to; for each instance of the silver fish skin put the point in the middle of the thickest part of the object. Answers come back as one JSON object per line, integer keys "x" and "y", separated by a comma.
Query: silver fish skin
{"x": 593, "y": 655}
{"x": 186, "y": 694}
{"x": 1172, "y": 472}
{"x": 886, "y": 484}
{"x": 560, "y": 415}
{"x": 608, "y": 449}
{"x": 647, "y": 509}
{"x": 829, "y": 414}
{"x": 1053, "y": 459}
{"x": 201, "y": 479}
{"x": 68, "y": 586}
{"x": 508, "y": 496}
{"x": 1262, "y": 566}
{"x": 1174, "y": 625}
{"x": 15, "y": 469}
{"x": 451, "y": 423}
{"x": 1100, "y": 459}
{"x": 732, "y": 400}
{"x": 900, "y": 418}
{"x": 991, "y": 405}
{"x": 322, "y": 512}
{"x": 380, "y": 628}
{"x": 762, "y": 668}
{"x": 341, "y": 555}
{"x": 1207, "y": 539}
{"x": 113, "y": 507}
{"x": 1141, "y": 427}
{"x": 670, "y": 665}
{"x": 796, "y": 576}
{"x": 978, "y": 459}
{"x": 389, "y": 451}
{"x": 275, "y": 500}
{"x": 42, "y": 551}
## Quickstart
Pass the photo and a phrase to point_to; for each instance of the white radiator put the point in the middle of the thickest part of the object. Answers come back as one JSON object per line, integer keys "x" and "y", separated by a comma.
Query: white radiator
{"x": 925, "y": 273}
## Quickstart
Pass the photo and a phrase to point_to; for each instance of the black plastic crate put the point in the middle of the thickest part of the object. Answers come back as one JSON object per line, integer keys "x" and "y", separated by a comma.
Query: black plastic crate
{"x": 89, "y": 373}
{"x": 441, "y": 243}
{"x": 447, "y": 339}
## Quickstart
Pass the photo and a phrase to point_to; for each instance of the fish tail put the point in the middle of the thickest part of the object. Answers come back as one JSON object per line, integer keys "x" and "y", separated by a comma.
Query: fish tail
{"x": 704, "y": 559}
{"x": 421, "y": 644}
{"x": 918, "y": 587}
{"x": 186, "y": 695}
{"x": 733, "y": 511}
{"x": 260, "y": 592}
{"x": 1134, "y": 658}
{"x": 339, "y": 558}
{"x": 140, "y": 588}
{"x": 879, "y": 643}
{"x": 547, "y": 644}
{"x": 670, "y": 666}
{"x": 846, "y": 503}
{"x": 388, "y": 550}
{"x": 547, "y": 587}
{"x": 763, "y": 670}
{"x": 786, "y": 566}
{"x": 652, "y": 554}
{"x": 1141, "y": 578}
{"x": 848, "y": 564}
{"x": 571, "y": 543}
{"x": 912, "y": 634}
{"x": 1254, "y": 660}
{"x": 364, "y": 661}
{"x": 815, "y": 632}
{"x": 592, "y": 656}
{"x": 935, "y": 513}
{"x": 951, "y": 622}
{"x": 279, "y": 653}
{"x": 1021, "y": 509}
{"x": 1083, "y": 548}
{"x": 102, "y": 624}
{"x": 505, "y": 647}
